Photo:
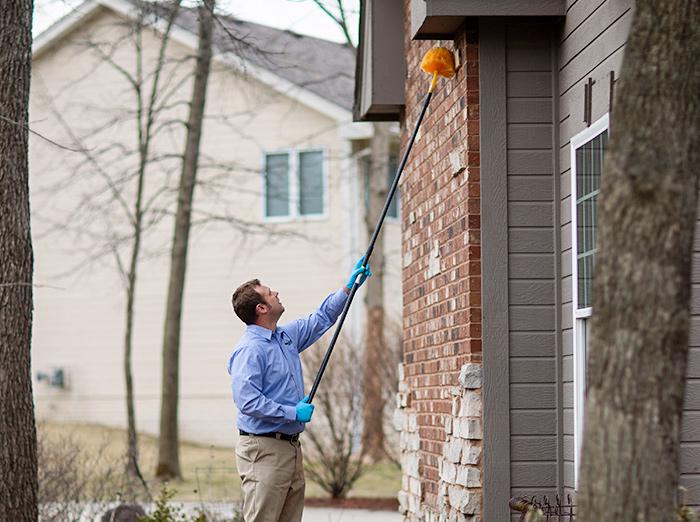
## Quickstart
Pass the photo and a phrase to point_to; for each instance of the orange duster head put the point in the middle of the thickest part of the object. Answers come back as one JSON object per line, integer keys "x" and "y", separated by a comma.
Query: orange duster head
{"x": 439, "y": 60}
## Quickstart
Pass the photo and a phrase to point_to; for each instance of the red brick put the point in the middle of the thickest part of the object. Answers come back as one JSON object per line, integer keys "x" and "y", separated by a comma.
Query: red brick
{"x": 442, "y": 315}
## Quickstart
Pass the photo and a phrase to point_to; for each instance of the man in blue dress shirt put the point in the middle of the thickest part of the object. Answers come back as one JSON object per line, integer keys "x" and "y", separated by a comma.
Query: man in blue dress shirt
{"x": 268, "y": 389}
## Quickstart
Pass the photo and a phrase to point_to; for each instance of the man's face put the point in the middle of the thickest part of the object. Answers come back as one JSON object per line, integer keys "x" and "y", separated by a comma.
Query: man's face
{"x": 271, "y": 298}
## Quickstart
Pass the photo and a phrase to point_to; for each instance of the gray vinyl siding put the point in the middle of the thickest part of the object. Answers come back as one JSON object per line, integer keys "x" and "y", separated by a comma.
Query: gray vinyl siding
{"x": 591, "y": 45}
{"x": 690, "y": 430}
{"x": 494, "y": 255}
{"x": 544, "y": 109}
{"x": 532, "y": 261}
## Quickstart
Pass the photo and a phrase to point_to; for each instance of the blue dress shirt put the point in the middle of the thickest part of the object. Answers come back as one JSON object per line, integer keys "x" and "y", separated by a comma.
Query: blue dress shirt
{"x": 265, "y": 369}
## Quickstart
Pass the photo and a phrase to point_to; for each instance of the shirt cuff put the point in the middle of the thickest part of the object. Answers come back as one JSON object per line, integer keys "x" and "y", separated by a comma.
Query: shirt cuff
{"x": 290, "y": 413}
{"x": 338, "y": 300}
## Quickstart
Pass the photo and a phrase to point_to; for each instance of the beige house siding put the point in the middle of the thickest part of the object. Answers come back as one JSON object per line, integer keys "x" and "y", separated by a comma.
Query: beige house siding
{"x": 79, "y": 321}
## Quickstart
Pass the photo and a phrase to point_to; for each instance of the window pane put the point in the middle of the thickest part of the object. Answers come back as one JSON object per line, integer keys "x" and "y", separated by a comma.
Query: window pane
{"x": 277, "y": 185}
{"x": 310, "y": 183}
{"x": 581, "y": 286}
{"x": 589, "y": 168}
{"x": 391, "y": 174}
{"x": 585, "y": 280}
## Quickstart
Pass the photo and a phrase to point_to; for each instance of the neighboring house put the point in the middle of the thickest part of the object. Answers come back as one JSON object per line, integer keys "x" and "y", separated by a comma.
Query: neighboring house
{"x": 280, "y": 198}
{"x": 499, "y": 230}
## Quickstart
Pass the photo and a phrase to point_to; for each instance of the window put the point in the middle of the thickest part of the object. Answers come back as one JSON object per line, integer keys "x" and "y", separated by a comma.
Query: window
{"x": 294, "y": 184}
{"x": 392, "y": 166}
{"x": 310, "y": 183}
{"x": 393, "y": 211}
{"x": 587, "y": 157}
{"x": 277, "y": 185}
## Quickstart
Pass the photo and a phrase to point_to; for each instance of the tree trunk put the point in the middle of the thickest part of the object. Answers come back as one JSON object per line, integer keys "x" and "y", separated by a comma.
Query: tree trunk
{"x": 637, "y": 363}
{"x": 168, "y": 447}
{"x": 146, "y": 115}
{"x": 375, "y": 345}
{"x": 132, "y": 453}
{"x": 18, "y": 449}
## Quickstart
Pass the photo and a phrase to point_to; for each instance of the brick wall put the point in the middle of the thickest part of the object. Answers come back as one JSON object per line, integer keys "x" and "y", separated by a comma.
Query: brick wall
{"x": 439, "y": 413}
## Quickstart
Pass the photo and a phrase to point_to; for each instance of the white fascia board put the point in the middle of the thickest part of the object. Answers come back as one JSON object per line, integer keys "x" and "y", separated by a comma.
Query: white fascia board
{"x": 363, "y": 130}
{"x": 186, "y": 38}
{"x": 275, "y": 82}
{"x": 64, "y": 25}
{"x": 242, "y": 66}
{"x": 355, "y": 130}
{"x": 76, "y": 17}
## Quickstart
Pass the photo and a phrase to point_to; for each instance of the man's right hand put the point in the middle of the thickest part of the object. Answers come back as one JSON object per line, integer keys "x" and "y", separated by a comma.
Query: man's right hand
{"x": 304, "y": 410}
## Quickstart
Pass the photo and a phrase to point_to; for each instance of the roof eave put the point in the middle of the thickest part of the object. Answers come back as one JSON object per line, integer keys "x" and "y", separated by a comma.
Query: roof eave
{"x": 381, "y": 69}
{"x": 440, "y": 19}
{"x": 63, "y": 26}
{"x": 304, "y": 96}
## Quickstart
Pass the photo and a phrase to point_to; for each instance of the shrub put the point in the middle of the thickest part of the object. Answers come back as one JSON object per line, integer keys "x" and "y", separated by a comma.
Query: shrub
{"x": 166, "y": 511}
{"x": 72, "y": 481}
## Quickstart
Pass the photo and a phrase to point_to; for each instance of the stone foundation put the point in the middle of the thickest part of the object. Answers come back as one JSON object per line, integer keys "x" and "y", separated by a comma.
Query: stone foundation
{"x": 459, "y": 487}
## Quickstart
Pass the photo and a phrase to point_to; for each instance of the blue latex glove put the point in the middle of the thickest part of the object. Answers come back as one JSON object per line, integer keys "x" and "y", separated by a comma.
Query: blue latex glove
{"x": 304, "y": 410}
{"x": 361, "y": 271}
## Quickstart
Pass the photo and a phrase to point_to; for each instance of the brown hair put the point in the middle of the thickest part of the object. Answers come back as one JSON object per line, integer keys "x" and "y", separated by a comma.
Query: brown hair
{"x": 245, "y": 299}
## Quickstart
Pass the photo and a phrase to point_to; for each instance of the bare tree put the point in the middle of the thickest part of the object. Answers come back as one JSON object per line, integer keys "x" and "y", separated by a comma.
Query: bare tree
{"x": 115, "y": 175}
{"x": 373, "y": 406}
{"x": 146, "y": 118}
{"x": 18, "y": 449}
{"x": 168, "y": 444}
{"x": 335, "y": 458}
{"x": 637, "y": 362}
{"x": 122, "y": 183}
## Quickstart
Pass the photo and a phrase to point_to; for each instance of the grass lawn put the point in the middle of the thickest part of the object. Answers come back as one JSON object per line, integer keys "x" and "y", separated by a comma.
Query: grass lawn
{"x": 209, "y": 471}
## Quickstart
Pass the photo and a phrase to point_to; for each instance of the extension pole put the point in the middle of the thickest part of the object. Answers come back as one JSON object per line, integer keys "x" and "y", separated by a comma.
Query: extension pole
{"x": 370, "y": 248}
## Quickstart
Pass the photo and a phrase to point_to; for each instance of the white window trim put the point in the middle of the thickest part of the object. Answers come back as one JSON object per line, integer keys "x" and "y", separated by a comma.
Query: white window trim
{"x": 294, "y": 215}
{"x": 579, "y": 316}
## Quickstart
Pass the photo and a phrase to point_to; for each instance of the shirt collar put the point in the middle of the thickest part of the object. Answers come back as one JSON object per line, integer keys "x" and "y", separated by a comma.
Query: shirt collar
{"x": 254, "y": 329}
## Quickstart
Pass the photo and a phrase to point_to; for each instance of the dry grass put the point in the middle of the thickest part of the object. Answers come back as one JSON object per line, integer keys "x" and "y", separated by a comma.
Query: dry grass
{"x": 209, "y": 471}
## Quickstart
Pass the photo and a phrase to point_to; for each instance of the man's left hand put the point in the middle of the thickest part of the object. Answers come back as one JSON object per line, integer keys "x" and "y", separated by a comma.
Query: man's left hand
{"x": 304, "y": 410}
{"x": 361, "y": 271}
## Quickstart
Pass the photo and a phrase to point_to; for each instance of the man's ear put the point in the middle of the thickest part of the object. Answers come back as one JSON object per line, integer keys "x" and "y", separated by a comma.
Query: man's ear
{"x": 261, "y": 308}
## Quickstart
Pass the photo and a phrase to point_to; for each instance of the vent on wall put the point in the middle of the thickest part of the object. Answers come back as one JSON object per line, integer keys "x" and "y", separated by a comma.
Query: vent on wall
{"x": 54, "y": 377}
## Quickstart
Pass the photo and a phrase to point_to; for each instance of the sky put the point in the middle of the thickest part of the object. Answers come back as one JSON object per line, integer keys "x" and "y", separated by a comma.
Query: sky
{"x": 300, "y": 16}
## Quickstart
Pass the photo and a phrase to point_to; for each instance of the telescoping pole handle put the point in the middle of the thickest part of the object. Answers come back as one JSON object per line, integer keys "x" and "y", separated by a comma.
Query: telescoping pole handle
{"x": 370, "y": 248}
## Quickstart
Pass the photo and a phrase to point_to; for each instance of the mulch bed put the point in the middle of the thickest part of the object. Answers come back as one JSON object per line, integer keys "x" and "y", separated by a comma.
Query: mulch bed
{"x": 375, "y": 504}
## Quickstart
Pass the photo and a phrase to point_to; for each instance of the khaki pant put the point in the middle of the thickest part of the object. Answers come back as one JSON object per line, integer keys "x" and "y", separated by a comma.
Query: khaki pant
{"x": 272, "y": 479}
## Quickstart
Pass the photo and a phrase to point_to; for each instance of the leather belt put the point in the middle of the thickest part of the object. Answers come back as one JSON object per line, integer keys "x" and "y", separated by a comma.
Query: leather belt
{"x": 274, "y": 435}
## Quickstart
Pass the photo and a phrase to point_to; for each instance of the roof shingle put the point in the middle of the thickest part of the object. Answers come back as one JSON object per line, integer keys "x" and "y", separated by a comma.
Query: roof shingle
{"x": 323, "y": 67}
